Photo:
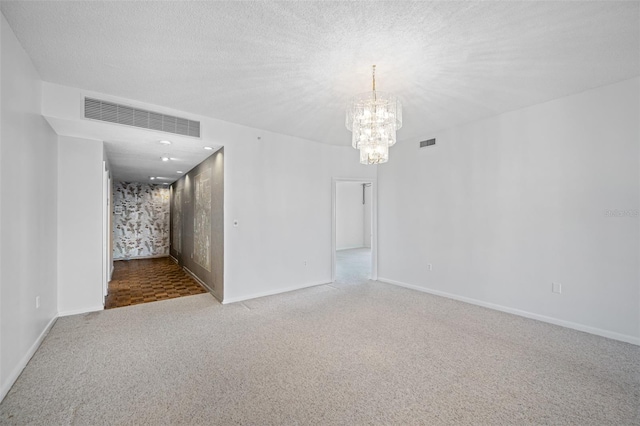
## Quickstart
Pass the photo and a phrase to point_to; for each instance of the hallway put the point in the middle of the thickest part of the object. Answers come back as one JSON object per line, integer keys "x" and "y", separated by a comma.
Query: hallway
{"x": 148, "y": 280}
{"x": 353, "y": 266}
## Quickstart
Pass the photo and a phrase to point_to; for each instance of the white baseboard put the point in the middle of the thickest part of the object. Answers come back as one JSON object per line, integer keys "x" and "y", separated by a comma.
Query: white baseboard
{"x": 13, "y": 376}
{"x": 81, "y": 311}
{"x": 543, "y": 318}
{"x": 228, "y": 300}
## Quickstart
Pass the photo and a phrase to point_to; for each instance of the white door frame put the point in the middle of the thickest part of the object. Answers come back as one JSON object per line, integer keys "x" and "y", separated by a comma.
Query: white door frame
{"x": 105, "y": 231}
{"x": 374, "y": 224}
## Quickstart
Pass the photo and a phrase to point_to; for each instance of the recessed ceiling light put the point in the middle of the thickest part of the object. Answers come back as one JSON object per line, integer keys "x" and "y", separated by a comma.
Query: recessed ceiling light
{"x": 179, "y": 171}
{"x": 165, "y": 142}
{"x": 208, "y": 147}
{"x": 152, "y": 178}
{"x": 164, "y": 158}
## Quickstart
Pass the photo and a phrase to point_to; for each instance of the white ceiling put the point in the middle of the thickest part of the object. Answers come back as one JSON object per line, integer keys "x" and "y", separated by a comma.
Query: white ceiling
{"x": 135, "y": 154}
{"x": 290, "y": 67}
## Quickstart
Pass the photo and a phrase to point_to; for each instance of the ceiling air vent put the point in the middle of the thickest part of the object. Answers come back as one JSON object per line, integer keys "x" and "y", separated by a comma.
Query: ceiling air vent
{"x": 96, "y": 109}
{"x": 429, "y": 142}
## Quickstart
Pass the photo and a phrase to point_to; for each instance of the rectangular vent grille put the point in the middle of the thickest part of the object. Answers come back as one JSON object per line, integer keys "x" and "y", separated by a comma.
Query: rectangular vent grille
{"x": 429, "y": 142}
{"x": 96, "y": 109}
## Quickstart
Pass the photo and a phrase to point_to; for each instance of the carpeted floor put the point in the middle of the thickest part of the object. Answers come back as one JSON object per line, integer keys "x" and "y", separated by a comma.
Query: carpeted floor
{"x": 352, "y": 353}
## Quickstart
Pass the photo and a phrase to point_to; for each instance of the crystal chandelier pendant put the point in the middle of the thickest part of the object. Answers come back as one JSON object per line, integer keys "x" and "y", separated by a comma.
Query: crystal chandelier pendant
{"x": 373, "y": 118}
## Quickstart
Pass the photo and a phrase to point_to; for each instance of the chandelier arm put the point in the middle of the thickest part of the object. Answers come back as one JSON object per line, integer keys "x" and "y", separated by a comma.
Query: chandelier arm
{"x": 374, "y": 80}
{"x": 375, "y": 98}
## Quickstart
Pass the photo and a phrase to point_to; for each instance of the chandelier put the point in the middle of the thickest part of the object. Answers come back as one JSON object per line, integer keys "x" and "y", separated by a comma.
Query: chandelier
{"x": 373, "y": 118}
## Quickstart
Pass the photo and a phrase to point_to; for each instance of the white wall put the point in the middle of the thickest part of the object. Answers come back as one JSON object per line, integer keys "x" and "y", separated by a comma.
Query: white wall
{"x": 80, "y": 261}
{"x": 28, "y": 194}
{"x": 291, "y": 181}
{"x": 349, "y": 215}
{"x": 278, "y": 188}
{"x": 505, "y": 206}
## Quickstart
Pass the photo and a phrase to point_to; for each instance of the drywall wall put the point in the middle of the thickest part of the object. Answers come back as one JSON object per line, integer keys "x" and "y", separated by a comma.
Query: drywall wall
{"x": 506, "y": 206}
{"x": 28, "y": 198}
{"x": 80, "y": 257}
{"x": 141, "y": 220}
{"x": 197, "y": 222}
{"x": 277, "y": 187}
{"x": 279, "y": 190}
{"x": 349, "y": 215}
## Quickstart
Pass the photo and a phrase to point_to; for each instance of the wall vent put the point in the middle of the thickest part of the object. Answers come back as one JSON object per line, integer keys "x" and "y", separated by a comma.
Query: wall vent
{"x": 429, "y": 142}
{"x": 96, "y": 109}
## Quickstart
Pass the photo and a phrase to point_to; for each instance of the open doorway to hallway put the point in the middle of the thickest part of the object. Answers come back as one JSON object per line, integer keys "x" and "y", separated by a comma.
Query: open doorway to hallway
{"x": 354, "y": 237}
{"x": 149, "y": 280}
{"x": 143, "y": 271}
{"x": 168, "y": 239}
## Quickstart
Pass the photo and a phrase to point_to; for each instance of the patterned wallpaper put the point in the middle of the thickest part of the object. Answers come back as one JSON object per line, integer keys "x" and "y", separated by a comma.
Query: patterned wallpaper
{"x": 140, "y": 220}
{"x": 202, "y": 220}
{"x": 177, "y": 220}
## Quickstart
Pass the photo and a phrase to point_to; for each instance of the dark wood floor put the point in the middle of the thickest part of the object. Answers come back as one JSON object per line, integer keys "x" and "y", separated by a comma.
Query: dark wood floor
{"x": 148, "y": 280}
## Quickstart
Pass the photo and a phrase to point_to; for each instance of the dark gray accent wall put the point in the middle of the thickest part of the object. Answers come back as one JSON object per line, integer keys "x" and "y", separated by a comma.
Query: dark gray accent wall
{"x": 197, "y": 233}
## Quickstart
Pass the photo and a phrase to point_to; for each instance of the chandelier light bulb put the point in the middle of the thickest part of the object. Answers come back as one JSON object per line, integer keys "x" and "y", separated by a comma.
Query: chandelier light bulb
{"x": 373, "y": 118}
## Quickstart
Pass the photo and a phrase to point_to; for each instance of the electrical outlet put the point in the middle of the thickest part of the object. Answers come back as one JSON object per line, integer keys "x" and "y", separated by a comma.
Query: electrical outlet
{"x": 305, "y": 263}
{"x": 556, "y": 288}
{"x": 37, "y": 302}
{"x": 429, "y": 266}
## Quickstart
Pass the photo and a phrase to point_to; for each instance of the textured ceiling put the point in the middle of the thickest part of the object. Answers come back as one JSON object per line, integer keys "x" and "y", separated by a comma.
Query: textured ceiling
{"x": 291, "y": 67}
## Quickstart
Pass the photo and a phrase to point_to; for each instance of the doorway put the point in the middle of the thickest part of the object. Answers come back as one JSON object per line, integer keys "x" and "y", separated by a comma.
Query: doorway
{"x": 354, "y": 230}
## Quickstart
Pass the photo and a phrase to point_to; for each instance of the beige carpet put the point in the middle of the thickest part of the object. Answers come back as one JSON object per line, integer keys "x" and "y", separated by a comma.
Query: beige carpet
{"x": 348, "y": 353}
